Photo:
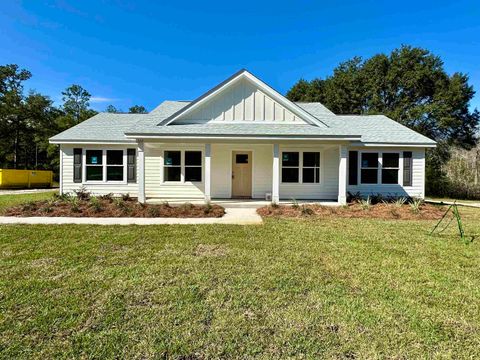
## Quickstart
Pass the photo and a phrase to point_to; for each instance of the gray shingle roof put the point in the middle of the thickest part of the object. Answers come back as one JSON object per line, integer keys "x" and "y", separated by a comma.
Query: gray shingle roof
{"x": 113, "y": 127}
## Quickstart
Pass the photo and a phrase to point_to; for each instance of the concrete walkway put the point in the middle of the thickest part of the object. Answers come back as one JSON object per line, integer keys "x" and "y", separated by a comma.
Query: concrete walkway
{"x": 235, "y": 216}
{"x": 459, "y": 203}
{"x": 25, "y": 191}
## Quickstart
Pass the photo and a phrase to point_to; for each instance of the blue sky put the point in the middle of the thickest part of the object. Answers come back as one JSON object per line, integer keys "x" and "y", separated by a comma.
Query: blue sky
{"x": 137, "y": 52}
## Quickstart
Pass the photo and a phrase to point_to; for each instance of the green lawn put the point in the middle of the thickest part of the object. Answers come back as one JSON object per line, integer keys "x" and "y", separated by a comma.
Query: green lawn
{"x": 14, "y": 199}
{"x": 339, "y": 288}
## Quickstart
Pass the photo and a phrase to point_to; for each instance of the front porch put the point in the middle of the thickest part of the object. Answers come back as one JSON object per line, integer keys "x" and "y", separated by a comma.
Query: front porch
{"x": 238, "y": 174}
{"x": 242, "y": 203}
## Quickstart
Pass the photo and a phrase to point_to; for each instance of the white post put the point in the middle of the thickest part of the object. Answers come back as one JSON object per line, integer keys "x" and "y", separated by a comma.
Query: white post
{"x": 276, "y": 175}
{"x": 60, "y": 179}
{"x": 342, "y": 174}
{"x": 208, "y": 162}
{"x": 141, "y": 171}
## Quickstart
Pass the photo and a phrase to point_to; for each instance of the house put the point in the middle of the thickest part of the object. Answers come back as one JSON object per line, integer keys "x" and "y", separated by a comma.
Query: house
{"x": 242, "y": 139}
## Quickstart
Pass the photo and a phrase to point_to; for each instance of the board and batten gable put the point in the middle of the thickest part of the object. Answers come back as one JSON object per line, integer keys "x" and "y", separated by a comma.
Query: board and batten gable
{"x": 242, "y": 101}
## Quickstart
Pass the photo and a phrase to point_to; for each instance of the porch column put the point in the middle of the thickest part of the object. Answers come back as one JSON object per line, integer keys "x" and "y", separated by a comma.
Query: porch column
{"x": 208, "y": 170}
{"x": 141, "y": 171}
{"x": 342, "y": 174}
{"x": 276, "y": 175}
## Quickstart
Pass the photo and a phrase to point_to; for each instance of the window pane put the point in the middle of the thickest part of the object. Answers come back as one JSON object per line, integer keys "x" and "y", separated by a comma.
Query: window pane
{"x": 94, "y": 157}
{"x": 95, "y": 173}
{"x": 114, "y": 157}
{"x": 311, "y": 159}
{"x": 308, "y": 175}
{"x": 390, "y": 160}
{"x": 369, "y": 160}
{"x": 114, "y": 173}
{"x": 193, "y": 174}
{"x": 290, "y": 175}
{"x": 369, "y": 176}
{"x": 290, "y": 159}
{"x": 172, "y": 158}
{"x": 241, "y": 159}
{"x": 193, "y": 158}
{"x": 389, "y": 176}
{"x": 171, "y": 173}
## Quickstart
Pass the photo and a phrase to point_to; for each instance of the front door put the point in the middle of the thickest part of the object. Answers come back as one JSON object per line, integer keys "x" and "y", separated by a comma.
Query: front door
{"x": 242, "y": 174}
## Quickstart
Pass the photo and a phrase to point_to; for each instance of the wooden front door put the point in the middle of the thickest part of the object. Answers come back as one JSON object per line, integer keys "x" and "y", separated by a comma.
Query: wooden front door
{"x": 242, "y": 174}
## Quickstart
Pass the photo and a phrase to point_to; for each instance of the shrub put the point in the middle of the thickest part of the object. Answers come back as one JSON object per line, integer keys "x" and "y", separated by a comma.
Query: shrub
{"x": 48, "y": 208}
{"x": 153, "y": 211}
{"x": 29, "y": 206}
{"x": 95, "y": 204}
{"x": 108, "y": 197}
{"x": 295, "y": 204}
{"x": 399, "y": 202}
{"x": 63, "y": 197}
{"x": 82, "y": 193}
{"x": 186, "y": 207}
{"x": 126, "y": 197}
{"x": 74, "y": 206}
{"x": 207, "y": 209}
{"x": 366, "y": 203}
{"x": 415, "y": 205}
{"x": 306, "y": 211}
{"x": 166, "y": 204}
{"x": 119, "y": 203}
{"x": 354, "y": 197}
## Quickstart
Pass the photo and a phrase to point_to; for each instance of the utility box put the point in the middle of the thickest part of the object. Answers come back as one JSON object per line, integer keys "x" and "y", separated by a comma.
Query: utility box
{"x": 11, "y": 178}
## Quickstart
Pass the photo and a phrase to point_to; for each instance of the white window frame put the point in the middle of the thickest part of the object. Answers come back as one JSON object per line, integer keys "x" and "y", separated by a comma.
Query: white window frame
{"x": 380, "y": 168}
{"x": 182, "y": 166}
{"x": 104, "y": 166}
{"x": 300, "y": 166}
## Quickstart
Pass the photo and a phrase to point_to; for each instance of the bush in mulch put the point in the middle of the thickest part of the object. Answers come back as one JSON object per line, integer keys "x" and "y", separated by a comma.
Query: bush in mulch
{"x": 417, "y": 211}
{"x": 110, "y": 206}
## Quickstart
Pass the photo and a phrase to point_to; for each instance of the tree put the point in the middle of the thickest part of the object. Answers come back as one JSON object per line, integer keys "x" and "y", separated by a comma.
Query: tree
{"x": 111, "y": 109}
{"x": 409, "y": 85}
{"x": 137, "y": 109}
{"x": 12, "y": 120}
{"x": 76, "y": 102}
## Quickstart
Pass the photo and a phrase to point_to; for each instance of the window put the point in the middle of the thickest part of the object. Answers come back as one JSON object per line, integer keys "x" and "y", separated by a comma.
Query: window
{"x": 387, "y": 163}
{"x": 390, "y": 168}
{"x": 290, "y": 167}
{"x": 369, "y": 168}
{"x": 241, "y": 158}
{"x": 104, "y": 165}
{"x": 311, "y": 167}
{"x": 182, "y": 166}
{"x": 172, "y": 166}
{"x": 114, "y": 165}
{"x": 94, "y": 164}
{"x": 301, "y": 167}
{"x": 193, "y": 166}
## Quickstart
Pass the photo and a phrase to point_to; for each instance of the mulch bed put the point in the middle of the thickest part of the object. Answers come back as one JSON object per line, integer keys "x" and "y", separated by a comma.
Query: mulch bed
{"x": 111, "y": 208}
{"x": 378, "y": 211}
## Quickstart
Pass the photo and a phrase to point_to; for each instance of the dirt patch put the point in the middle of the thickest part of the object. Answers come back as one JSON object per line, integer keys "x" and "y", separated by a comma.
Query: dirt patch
{"x": 111, "y": 207}
{"x": 378, "y": 211}
{"x": 211, "y": 250}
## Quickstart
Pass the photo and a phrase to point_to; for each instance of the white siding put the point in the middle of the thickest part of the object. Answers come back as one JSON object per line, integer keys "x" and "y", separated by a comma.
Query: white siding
{"x": 155, "y": 187}
{"x": 222, "y": 169}
{"x": 69, "y": 186}
{"x": 418, "y": 176}
{"x": 327, "y": 188}
{"x": 241, "y": 101}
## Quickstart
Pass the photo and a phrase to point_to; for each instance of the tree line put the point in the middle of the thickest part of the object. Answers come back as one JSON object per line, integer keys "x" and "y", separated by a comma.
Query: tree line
{"x": 411, "y": 86}
{"x": 29, "y": 119}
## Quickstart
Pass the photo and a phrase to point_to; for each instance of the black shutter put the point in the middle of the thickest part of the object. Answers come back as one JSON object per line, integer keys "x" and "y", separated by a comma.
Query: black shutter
{"x": 131, "y": 166}
{"x": 77, "y": 165}
{"x": 352, "y": 167}
{"x": 407, "y": 168}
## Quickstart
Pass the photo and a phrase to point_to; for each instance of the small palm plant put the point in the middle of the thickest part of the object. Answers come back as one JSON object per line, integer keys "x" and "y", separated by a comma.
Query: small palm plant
{"x": 400, "y": 201}
{"x": 415, "y": 205}
{"x": 95, "y": 204}
{"x": 366, "y": 204}
{"x": 295, "y": 204}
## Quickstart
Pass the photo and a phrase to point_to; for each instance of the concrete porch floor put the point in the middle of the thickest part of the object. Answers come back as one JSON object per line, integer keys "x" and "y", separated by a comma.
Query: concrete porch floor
{"x": 241, "y": 203}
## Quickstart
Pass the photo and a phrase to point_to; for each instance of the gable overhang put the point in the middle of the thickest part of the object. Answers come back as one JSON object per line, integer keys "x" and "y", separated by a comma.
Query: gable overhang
{"x": 244, "y": 74}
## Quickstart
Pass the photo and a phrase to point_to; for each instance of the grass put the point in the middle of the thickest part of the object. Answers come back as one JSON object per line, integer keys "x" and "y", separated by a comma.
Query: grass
{"x": 335, "y": 288}
{"x": 15, "y": 199}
